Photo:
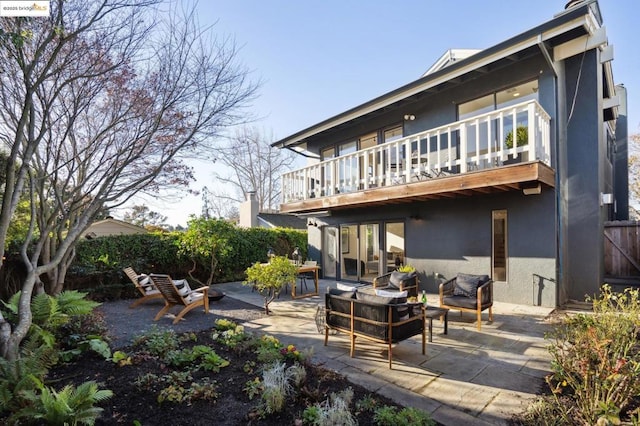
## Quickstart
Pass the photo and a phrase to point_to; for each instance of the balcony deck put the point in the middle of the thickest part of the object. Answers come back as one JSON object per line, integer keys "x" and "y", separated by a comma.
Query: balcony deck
{"x": 513, "y": 177}
{"x": 455, "y": 160}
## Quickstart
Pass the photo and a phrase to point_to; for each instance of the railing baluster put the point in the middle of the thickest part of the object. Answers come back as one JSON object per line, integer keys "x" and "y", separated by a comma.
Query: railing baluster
{"x": 392, "y": 162}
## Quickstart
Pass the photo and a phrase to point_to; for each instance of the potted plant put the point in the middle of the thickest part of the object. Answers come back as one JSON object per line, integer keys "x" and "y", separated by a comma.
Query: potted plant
{"x": 522, "y": 137}
{"x": 269, "y": 278}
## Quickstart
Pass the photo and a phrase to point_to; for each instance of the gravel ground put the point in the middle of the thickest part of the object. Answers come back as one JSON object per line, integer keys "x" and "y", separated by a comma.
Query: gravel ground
{"x": 125, "y": 324}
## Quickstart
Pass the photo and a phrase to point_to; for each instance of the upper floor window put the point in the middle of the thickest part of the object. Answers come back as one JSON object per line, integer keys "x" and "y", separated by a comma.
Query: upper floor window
{"x": 392, "y": 134}
{"x": 365, "y": 141}
{"x": 511, "y": 96}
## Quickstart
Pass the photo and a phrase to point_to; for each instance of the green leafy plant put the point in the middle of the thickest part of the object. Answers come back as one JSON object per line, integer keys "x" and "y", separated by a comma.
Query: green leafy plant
{"x": 157, "y": 341}
{"x": 596, "y": 359}
{"x": 121, "y": 358}
{"x": 94, "y": 343}
{"x": 50, "y": 313}
{"x": 253, "y": 388}
{"x": 69, "y": 406}
{"x": 20, "y": 377}
{"x": 408, "y": 416}
{"x": 230, "y": 337}
{"x": 268, "y": 350}
{"x": 270, "y": 278}
{"x": 522, "y": 135}
{"x": 311, "y": 415}
{"x": 202, "y": 356}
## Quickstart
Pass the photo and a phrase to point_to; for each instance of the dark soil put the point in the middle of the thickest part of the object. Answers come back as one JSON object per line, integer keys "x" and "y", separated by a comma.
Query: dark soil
{"x": 133, "y": 402}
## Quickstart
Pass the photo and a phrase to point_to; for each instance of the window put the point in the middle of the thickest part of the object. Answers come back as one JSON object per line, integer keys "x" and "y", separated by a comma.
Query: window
{"x": 392, "y": 134}
{"x": 499, "y": 245}
{"x": 394, "y": 244}
{"x": 497, "y": 100}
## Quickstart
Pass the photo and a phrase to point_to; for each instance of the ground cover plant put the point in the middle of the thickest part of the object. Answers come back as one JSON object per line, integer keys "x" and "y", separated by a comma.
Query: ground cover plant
{"x": 226, "y": 376}
{"x": 68, "y": 374}
{"x": 595, "y": 365}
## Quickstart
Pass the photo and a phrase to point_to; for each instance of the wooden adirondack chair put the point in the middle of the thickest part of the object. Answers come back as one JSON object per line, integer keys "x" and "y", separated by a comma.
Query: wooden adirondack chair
{"x": 144, "y": 285}
{"x": 173, "y": 297}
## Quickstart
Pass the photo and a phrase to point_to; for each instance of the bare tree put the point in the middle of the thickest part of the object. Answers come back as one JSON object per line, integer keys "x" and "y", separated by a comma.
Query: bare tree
{"x": 100, "y": 102}
{"x": 141, "y": 215}
{"x": 255, "y": 166}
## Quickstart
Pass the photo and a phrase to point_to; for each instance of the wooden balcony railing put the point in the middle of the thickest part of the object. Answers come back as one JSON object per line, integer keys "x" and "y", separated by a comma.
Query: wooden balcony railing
{"x": 481, "y": 142}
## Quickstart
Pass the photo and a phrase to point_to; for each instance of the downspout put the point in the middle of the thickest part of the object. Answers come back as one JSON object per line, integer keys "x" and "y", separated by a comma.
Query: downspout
{"x": 559, "y": 226}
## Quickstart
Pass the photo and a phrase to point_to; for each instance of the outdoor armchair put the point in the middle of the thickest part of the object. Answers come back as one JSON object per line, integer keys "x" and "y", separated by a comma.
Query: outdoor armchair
{"x": 398, "y": 281}
{"x": 185, "y": 297}
{"x": 468, "y": 293}
{"x": 143, "y": 284}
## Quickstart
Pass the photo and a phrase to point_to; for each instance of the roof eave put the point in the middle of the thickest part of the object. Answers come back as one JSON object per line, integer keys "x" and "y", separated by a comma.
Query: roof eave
{"x": 571, "y": 19}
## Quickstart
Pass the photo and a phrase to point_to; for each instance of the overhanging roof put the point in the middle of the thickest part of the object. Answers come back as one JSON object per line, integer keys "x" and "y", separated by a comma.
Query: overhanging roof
{"x": 567, "y": 25}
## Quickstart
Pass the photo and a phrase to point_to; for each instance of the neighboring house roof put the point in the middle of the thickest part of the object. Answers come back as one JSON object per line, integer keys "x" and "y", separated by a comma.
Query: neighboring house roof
{"x": 280, "y": 220}
{"x": 112, "y": 226}
{"x": 580, "y": 20}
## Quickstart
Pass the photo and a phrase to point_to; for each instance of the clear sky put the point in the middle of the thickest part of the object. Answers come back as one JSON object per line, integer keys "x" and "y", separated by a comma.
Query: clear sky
{"x": 319, "y": 58}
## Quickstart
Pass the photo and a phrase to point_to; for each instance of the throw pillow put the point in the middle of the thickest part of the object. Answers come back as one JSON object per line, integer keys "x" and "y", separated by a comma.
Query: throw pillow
{"x": 466, "y": 285}
{"x": 183, "y": 287}
{"x": 398, "y": 278}
{"x": 145, "y": 281}
{"x": 391, "y": 293}
{"x": 345, "y": 287}
{"x": 342, "y": 293}
{"x": 384, "y": 300}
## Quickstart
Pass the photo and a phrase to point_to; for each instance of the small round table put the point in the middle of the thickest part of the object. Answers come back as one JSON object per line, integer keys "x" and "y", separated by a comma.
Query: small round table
{"x": 431, "y": 312}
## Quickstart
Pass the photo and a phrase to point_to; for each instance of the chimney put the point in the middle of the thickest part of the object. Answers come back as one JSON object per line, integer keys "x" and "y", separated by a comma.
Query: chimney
{"x": 249, "y": 211}
{"x": 572, "y": 3}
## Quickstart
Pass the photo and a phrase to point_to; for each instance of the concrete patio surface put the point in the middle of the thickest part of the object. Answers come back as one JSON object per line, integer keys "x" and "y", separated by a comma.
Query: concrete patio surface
{"x": 466, "y": 377}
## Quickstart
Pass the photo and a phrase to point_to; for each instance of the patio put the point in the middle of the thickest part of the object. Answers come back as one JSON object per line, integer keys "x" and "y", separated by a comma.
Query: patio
{"x": 466, "y": 376}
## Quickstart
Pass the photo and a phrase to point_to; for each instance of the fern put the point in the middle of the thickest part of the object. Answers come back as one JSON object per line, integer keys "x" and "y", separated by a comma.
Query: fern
{"x": 71, "y": 405}
{"x": 74, "y": 303}
{"x": 20, "y": 376}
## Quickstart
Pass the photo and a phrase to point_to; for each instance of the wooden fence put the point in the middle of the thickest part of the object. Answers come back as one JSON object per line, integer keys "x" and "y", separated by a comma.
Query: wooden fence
{"x": 622, "y": 251}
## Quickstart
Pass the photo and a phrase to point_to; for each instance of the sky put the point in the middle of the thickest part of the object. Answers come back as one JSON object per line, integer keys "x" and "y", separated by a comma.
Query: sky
{"x": 316, "y": 59}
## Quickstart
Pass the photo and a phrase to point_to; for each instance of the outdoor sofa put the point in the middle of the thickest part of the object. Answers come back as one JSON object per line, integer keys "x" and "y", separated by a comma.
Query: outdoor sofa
{"x": 384, "y": 318}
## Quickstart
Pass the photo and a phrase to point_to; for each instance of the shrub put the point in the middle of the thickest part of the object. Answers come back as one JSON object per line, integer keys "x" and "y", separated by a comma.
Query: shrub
{"x": 270, "y": 278}
{"x": 596, "y": 359}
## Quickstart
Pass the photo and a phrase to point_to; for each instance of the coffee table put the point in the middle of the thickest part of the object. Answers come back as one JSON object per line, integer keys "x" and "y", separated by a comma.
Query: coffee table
{"x": 431, "y": 312}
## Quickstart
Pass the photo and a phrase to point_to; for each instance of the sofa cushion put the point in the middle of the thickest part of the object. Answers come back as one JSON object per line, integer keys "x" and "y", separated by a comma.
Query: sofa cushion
{"x": 395, "y": 298}
{"x": 461, "y": 301}
{"x": 398, "y": 278}
{"x": 342, "y": 293}
{"x": 467, "y": 284}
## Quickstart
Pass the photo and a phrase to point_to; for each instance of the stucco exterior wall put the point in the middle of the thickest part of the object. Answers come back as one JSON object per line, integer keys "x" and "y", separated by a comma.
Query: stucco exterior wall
{"x": 456, "y": 236}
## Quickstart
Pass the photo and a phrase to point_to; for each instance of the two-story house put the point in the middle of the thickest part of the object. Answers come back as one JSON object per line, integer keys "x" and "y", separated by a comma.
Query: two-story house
{"x": 504, "y": 161}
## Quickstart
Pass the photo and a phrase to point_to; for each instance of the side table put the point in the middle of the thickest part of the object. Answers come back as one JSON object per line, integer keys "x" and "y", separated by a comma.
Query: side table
{"x": 431, "y": 312}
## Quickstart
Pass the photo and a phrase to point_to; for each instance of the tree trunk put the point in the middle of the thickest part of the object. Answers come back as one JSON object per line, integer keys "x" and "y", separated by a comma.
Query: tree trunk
{"x": 10, "y": 339}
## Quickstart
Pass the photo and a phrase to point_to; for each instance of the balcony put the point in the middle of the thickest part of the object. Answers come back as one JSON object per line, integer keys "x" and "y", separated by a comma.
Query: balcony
{"x": 480, "y": 154}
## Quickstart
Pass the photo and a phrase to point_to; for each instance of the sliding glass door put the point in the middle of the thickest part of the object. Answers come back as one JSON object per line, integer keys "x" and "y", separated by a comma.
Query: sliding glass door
{"x": 361, "y": 255}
